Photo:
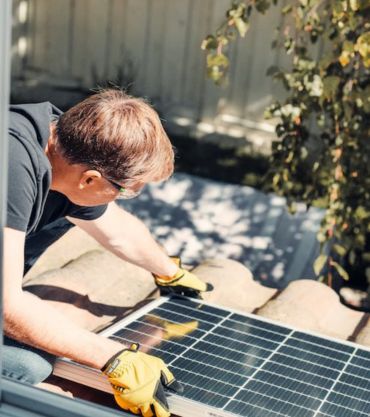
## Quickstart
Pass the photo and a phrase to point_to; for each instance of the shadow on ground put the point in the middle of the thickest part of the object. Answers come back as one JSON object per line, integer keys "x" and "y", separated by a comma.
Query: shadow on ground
{"x": 200, "y": 219}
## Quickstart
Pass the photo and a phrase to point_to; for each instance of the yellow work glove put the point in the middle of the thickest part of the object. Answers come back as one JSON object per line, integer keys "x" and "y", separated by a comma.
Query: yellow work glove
{"x": 138, "y": 382}
{"x": 182, "y": 283}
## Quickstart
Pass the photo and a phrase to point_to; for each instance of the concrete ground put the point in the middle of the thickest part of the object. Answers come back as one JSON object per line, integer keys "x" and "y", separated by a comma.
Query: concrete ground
{"x": 200, "y": 219}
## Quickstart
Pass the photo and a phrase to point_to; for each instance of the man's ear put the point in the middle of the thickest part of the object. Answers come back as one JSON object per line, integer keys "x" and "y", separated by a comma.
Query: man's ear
{"x": 52, "y": 140}
{"x": 89, "y": 177}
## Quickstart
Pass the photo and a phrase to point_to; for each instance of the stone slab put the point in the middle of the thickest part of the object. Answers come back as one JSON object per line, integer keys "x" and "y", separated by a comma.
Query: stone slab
{"x": 233, "y": 284}
{"x": 311, "y": 305}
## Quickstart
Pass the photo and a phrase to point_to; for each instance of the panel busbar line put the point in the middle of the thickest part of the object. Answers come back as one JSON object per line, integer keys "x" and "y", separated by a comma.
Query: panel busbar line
{"x": 235, "y": 364}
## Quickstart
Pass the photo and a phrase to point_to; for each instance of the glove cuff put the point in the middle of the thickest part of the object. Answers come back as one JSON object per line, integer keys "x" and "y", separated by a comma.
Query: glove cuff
{"x": 163, "y": 279}
{"x": 112, "y": 363}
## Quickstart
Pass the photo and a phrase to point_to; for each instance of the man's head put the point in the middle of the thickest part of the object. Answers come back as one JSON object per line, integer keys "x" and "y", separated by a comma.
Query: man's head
{"x": 108, "y": 140}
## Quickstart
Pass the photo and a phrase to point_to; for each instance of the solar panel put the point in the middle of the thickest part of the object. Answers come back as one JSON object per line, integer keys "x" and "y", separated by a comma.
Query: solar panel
{"x": 234, "y": 364}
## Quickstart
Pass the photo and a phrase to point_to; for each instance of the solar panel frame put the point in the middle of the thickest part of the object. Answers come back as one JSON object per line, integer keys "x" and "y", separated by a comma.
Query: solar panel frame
{"x": 181, "y": 406}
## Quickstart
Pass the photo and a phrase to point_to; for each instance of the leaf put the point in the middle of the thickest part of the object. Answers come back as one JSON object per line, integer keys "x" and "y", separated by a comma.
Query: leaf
{"x": 341, "y": 271}
{"x": 321, "y": 237}
{"x": 348, "y": 46}
{"x": 215, "y": 74}
{"x": 289, "y": 158}
{"x": 319, "y": 263}
{"x": 321, "y": 278}
{"x": 330, "y": 86}
{"x": 304, "y": 152}
{"x": 354, "y": 4}
{"x": 231, "y": 35}
{"x": 345, "y": 58}
{"x": 241, "y": 25}
{"x": 338, "y": 8}
{"x": 276, "y": 179}
{"x": 316, "y": 86}
{"x": 237, "y": 10}
{"x": 325, "y": 61}
{"x": 341, "y": 250}
{"x": 292, "y": 208}
{"x": 363, "y": 47}
{"x": 262, "y": 5}
{"x": 287, "y": 9}
{"x": 366, "y": 257}
{"x": 210, "y": 42}
{"x": 217, "y": 60}
{"x": 361, "y": 213}
{"x": 222, "y": 40}
{"x": 352, "y": 257}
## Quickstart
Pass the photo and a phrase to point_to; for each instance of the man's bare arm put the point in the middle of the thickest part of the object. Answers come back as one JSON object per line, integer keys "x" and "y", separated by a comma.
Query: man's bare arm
{"x": 129, "y": 238}
{"x": 35, "y": 322}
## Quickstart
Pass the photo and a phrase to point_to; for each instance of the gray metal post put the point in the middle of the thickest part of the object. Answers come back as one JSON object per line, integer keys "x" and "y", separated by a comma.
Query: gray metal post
{"x": 5, "y": 35}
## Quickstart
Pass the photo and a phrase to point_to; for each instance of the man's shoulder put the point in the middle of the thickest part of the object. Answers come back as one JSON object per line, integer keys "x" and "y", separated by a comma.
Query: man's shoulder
{"x": 31, "y": 122}
{"x": 25, "y": 155}
{"x": 29, "y": 131}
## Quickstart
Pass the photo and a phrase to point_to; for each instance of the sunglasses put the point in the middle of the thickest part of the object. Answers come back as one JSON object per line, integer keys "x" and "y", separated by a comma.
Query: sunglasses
{"x": 124, "y": 193}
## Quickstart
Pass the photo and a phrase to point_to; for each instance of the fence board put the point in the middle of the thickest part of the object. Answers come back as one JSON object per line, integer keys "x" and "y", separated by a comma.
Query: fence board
{"x": 97, "y": 40}
{"x": 135, "y": 41}
{"x": 59, "y": 25}
{"x": 154, "y": 55}
{"x": 16, "y": 34}
{"x": 241, "y": 56}
{"x": 281, "y": 59}
{"x": 192, "y": 87}
{"x": 174, "y": 47}
{"x": 259, "y": 85}
{"x": 78, "y": 45}
{"x": 116, "y": 60}
{"x": 211, "y": 93}
{"x": 39, "y": 29}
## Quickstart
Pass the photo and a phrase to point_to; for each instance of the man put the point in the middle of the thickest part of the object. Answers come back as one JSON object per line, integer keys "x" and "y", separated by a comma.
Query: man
{"x": 73, "y": 166}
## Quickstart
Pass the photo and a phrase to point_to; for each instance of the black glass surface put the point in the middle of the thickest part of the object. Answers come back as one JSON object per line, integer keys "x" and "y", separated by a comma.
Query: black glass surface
{"x": 252, "y": 367}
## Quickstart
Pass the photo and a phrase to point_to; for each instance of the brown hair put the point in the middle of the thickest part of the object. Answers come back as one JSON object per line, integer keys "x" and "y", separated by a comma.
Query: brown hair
{"x": 118, "y": 135}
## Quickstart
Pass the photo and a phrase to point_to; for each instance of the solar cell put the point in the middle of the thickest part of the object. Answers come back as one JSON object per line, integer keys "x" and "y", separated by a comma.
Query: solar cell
{"x": 237, "y": 365}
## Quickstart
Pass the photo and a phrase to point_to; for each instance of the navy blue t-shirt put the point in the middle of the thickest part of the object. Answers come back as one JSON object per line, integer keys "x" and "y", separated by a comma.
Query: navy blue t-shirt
{"x": 31, "y": 204}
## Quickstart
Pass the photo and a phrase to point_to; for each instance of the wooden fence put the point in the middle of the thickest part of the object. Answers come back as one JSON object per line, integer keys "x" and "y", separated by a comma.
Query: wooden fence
{"x": 154, "y": 47}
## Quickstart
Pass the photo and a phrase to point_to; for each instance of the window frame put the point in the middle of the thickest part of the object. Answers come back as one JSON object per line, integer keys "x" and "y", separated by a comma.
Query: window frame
{"x": 22, "y": 400}
{"x": 17, "y": 399}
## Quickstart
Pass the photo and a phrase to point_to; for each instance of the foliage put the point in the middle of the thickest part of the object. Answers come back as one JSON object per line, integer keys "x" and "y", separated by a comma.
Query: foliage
{"x": 323, "y": 150}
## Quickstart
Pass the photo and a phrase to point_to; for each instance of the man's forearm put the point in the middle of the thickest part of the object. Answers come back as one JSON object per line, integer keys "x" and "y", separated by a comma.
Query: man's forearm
{"x": 137, "y": 246}
{"x": 128, "y": 237}
{"x": 33, "y": 321}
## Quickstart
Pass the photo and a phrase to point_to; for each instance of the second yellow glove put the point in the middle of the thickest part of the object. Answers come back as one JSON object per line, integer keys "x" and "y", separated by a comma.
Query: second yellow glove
{"x": 138, "y": 382}
{"x": 183, "y": 283}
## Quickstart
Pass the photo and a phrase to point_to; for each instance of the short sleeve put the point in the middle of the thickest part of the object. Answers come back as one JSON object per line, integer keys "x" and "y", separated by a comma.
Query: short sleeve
{"x": 87, "y": 213}
{"x": 22, "y": 187}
